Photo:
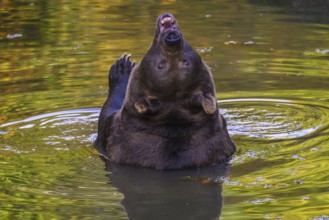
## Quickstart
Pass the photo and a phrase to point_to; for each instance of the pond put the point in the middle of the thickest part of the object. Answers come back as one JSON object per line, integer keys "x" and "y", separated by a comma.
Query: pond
{"x": 270, "y": 66}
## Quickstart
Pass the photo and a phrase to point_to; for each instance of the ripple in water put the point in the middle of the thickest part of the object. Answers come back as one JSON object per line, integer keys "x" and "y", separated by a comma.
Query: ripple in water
{"x": 273, "y": 118}
{"x": 59, "y": 131}
{"x": 256, "y": 118}
{"x": 68, "y": 116}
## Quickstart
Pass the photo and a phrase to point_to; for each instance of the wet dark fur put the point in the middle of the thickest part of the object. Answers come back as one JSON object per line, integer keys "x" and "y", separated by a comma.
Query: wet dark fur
{"x": 163, "y": 113}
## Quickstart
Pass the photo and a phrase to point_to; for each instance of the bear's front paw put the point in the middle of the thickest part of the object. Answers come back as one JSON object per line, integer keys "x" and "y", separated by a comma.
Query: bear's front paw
{"x": 120, "y": 71}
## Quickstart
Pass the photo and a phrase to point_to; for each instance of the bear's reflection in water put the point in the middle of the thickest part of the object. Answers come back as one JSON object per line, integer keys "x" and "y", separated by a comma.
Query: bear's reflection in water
{"x": 153, "y": 194}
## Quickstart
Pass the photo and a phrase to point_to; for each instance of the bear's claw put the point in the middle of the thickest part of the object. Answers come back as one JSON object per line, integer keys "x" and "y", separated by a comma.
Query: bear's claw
{"x": 120, "y": 71}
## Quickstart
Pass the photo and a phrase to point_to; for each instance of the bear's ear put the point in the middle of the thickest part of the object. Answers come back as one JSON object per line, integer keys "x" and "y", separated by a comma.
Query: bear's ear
{"x": 209, "y": 104}
{"x": 148, "y": 104}
{"x": 207, "y": 101}
{"x": 140, "y": 107}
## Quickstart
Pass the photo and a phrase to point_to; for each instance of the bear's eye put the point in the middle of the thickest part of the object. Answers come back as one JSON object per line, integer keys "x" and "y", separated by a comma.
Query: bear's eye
{"x": 162, "y": 64}
{"x": 186, "y": 62}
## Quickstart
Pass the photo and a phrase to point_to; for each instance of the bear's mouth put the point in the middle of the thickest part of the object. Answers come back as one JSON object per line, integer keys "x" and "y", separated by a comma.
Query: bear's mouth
{"x": 168, "y": 26}
{"x": 167, "y": 22}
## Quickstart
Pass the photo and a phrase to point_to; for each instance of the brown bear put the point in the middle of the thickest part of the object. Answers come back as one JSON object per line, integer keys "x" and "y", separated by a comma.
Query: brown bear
{"x": 163, "y": 113}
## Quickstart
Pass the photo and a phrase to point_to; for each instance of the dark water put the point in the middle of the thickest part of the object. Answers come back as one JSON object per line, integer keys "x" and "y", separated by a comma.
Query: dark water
{"x": 270, "y": 65}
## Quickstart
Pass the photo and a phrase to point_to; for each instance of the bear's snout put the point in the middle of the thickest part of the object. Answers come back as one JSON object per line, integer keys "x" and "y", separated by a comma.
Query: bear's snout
{"x": 173, "y": 37}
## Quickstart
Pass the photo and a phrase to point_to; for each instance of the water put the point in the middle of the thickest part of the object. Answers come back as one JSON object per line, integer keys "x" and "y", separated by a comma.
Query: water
{"x": 270, "y": 65}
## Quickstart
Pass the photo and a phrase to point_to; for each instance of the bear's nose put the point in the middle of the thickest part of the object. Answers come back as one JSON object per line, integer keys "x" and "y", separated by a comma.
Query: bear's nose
{"x": 173, "y": 37}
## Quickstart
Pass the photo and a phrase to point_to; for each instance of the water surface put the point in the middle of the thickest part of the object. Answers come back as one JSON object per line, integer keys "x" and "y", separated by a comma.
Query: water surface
{"x": 270, "y": 65}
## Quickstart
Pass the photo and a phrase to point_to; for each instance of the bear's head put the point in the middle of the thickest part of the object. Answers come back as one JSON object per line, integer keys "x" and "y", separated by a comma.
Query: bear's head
{"x": 171, "y": 68}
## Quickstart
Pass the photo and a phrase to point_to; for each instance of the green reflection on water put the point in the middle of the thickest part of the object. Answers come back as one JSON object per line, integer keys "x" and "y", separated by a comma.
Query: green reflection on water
{"x": 55, "y": 56}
